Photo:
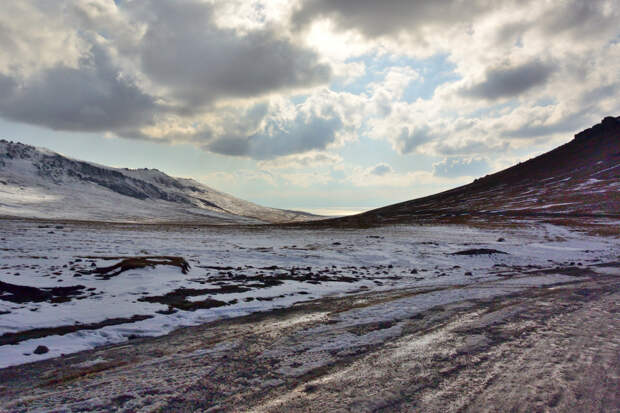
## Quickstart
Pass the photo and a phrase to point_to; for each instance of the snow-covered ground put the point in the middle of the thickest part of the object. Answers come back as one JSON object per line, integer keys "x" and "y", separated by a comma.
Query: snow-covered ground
{"x": 249, "y": 269}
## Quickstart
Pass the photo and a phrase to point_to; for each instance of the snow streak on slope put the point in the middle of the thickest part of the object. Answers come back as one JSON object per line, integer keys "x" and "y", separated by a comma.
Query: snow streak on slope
{"x": 39, "y": 183}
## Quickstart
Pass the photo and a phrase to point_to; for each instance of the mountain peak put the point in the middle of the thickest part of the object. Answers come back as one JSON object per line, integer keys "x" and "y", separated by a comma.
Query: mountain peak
{"x": 38, "y": 183}
{"x": 608, "y": 128}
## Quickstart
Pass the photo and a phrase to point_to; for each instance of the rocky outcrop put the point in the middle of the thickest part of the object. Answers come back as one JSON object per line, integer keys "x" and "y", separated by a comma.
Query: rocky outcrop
{"x": 609, "y": 126}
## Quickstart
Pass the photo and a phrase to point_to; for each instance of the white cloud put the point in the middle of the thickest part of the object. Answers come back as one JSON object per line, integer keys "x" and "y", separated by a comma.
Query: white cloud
{"x": 299, "y": 161}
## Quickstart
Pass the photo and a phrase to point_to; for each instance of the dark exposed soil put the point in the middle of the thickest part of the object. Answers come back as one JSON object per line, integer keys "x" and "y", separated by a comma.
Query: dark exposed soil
{"x": 280, "y": 274}
{"x": 26, "y": 294}
{"x": 14, "y": 338}
{"x": 178, "y": 298}
{"x": 479, "y": 251}
{"x": 132, "y": 263}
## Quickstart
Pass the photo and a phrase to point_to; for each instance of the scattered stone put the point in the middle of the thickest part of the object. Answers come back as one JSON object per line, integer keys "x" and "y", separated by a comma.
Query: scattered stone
{"x": 479, "y": 251}
{"x": 41, "y": 350}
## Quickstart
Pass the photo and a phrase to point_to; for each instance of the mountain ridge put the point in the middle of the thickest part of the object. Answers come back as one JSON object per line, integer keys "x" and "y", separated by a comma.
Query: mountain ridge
{"x": 578, "y": 178}
{"x": 43, "y": 179}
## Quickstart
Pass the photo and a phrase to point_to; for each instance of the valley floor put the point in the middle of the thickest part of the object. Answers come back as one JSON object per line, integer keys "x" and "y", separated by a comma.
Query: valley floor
{"x": 399, "y": 318}
{"x": 541, "y": 349}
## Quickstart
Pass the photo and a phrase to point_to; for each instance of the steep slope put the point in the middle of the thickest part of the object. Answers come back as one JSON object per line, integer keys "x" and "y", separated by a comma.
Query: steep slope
{"x": 579, "y": 178}
{"x": 38, "y": 183}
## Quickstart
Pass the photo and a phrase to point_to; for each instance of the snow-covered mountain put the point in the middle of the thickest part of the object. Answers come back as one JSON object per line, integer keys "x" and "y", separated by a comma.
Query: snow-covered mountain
{"x": 38, "y": 183}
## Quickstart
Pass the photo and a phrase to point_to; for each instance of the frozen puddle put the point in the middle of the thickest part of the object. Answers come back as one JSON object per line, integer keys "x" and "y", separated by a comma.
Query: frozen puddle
{"x": 54, "y": 293}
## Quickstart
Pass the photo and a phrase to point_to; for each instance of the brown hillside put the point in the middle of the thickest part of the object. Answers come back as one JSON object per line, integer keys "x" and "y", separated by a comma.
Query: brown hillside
{"x": 578, "y": 179}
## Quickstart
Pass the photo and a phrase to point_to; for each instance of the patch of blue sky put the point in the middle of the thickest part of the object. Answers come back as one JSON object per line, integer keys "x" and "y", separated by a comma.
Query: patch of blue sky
{"x": 546, "y": 101}
{"x": 434, "y": 71}
{"x": 298, "y": 99}
{"x": 367, "y": 152}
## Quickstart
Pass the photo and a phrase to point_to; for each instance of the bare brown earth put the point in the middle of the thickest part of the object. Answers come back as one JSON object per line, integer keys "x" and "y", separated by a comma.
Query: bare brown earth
{"x": 547, "y": 349}
{"x": 578, "y": 179}
{"x": 132, "y": 263}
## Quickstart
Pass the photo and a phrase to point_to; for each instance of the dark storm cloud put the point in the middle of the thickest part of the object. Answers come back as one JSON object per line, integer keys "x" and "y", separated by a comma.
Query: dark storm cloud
{"x": 93, "y": 97}
{"x": 455, "y": 167}
{"x": 569, "y": 124}
{"x": 411, "y": 138}
{"x": 303, "y": 134}
{"x": 185, "y": 51}
{"x": 582, "y": 18}
{"x": 378, "y": 18}
{"x": 7, "y": 85}
{"x": 507, "y": 82}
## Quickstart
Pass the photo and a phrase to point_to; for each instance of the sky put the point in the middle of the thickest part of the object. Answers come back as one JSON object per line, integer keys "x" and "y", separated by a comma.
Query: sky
{"x": 330, "y": 106}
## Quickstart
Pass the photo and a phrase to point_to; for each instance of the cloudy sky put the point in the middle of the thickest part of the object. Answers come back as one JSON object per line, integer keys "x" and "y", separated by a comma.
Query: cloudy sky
{"x": 323, "y": 105}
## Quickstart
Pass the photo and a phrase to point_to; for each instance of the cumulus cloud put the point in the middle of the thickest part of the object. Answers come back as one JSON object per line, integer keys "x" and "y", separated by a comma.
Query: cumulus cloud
{"x": 410, "y": 139}
{"x": 252, "y": 79}
{"x": 510, "y": 81}
{"x": 381, "y": 169}
{"x": 183, "y": 50}
{"x": 302, "y": 134}
{"x": 159, "y": 70}
{"x": 95, "y": 96}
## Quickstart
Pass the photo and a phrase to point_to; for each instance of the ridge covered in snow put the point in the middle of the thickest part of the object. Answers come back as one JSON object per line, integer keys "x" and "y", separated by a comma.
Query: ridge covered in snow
{"x": 39, "y": 183}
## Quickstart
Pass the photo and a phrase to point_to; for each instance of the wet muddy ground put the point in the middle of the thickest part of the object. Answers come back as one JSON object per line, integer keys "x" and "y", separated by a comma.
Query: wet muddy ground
{"x": 507, "y": 347}
{"x": 401, "y": 318}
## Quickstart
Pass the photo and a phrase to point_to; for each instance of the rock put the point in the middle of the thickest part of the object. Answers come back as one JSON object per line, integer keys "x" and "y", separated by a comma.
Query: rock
{"x": 41, "y": 350}
{"x": 608, "y": 126}
{"x": 501, "y": 239}
{"x": 479, "y": 251}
